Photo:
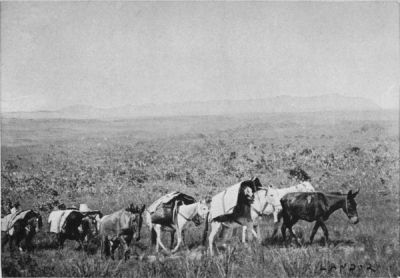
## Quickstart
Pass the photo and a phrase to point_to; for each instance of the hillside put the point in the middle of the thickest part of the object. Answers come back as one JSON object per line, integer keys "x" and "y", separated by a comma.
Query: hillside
{"x": 280, "y": 104}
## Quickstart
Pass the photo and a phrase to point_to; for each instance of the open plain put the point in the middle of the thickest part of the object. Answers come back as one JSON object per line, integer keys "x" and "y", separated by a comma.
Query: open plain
{"x": 109, "y": 164}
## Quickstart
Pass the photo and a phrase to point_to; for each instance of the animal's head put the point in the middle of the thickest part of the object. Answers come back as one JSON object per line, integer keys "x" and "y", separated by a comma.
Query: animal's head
{"x": 249, "y": 194}
{"x": 203, "y": 209}
{"x": 201, "y": 212}
{"x": 98, "y": 218}
{"x": 256, "y": 183}
{"x": 272, "y": 196}
{"x": 350, "y": 207}
{"x": 90, "y": 223}
{"x": 35, "y": 223}
{"x": 136, "y": 219}
{"x": 247, "y": 190}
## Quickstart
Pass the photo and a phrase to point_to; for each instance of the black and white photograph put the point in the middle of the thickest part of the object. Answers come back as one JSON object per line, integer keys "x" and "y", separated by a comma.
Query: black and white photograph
{"x": 200, "y": 138}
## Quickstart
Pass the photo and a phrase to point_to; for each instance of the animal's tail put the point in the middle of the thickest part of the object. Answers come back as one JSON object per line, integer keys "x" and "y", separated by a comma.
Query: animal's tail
{"x": 282, "y": 213}
{"x": 153, "y": 236}
{"x": 205, "y": 232}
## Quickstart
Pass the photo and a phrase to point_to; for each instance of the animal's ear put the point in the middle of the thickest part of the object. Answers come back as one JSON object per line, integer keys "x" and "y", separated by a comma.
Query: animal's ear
{"x": 352, "y": 195}
{"x": 257, "y": 183}
{"x": 349, "y": 194}
{"x": 143, "y": 207}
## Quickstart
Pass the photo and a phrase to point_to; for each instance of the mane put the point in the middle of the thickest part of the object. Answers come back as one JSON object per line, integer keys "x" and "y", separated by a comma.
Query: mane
{"x": 242, "y": 200}
{"x": 245, "y": 184}
{"x": 19, "y": 212}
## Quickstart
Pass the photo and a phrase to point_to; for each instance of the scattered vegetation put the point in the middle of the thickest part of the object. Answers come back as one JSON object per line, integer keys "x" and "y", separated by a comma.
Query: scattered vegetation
{"x": 109, "y": 164}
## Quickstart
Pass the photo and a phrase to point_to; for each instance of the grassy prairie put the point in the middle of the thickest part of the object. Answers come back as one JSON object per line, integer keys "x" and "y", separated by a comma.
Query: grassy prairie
{"x": 109, "y": 164}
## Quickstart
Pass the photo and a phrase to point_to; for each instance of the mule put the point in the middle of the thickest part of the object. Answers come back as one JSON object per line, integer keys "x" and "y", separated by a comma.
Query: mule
{"x": 240, "y": 216}
{"x": 79, "y": 226}
{"x": 119, "y": 228}
{"x": 316, "y": 206}
{"x": 184, "y": 214}
{"x": 23, "y": 228}
{"x": 267, "y": 202}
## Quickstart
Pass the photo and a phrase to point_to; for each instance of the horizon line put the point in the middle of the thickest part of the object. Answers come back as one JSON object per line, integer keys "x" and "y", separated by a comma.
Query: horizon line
{"x": 188, "y": 101}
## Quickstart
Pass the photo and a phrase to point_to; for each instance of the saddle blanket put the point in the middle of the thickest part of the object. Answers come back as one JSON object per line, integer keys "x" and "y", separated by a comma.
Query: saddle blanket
{"x": 7, "y": 222}
{"x": 163, "y": 200}
{"x": 57, "y": 219}
{"x": 224, "y": 202}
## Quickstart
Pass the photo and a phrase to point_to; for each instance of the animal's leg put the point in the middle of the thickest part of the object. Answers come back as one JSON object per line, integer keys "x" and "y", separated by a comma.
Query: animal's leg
{"x": 222, "y": 233}
{"x": 112, "y": 245}
{"x": 275, "y": 213}
{"x": 225, "y": 233}
{"x": 285, "y": 224}
{"x": 106, "y": 246}
{"x": 322, "y": 224}
{"x": 18, "y": 240}
{"x": 257, "y": 234}
{"x": 183, "y": 238}
{"x": 125, "y": 246}
{"x": 79, "y": 238}
{"x": 276, "y": 223}
{"x": 256, "y": 229}
{"x": 4, "y": 239}
{"x": 102, "y": 246}
{"x": 292, "y": 235}
{"x": 250, "y": 230}
{"x": 283, "y": 231}
{"x": 244, "y": 231}
{"x": 11, "y": 244}
{"x": 276, "y": 227}
{"x": 172, "y": 233}
{"x": 29, "y": 244}
{"x": 157, "y": 247}
{"x": 314, "y": 230}
{"x": 153, "y": 237}
{"x": 60, "y": 239}
{"x": 179, "y": 236}
{"x": 215, "y": 226}
{"x": 80, "y": 242}
{"x": 157, "y": 229}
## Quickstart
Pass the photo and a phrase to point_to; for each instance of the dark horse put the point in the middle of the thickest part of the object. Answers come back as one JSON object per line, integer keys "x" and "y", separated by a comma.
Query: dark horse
{"x": 241, "y": 215}
{"x": 24, "y": 228}
{"x": 79, "y": 226}
{"x": 316, "y": 206}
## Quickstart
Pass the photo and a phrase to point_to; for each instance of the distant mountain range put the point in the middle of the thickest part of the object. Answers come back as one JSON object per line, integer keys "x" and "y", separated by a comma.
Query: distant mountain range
{"x": 279, "y": 104}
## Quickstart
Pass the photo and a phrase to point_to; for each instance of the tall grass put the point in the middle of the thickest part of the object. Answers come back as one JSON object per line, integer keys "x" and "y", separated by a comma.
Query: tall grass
{"x": 137, "y": 164}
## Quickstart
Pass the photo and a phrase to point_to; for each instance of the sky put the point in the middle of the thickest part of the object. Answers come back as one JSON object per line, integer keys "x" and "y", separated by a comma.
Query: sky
{"x": 111, "y": 54}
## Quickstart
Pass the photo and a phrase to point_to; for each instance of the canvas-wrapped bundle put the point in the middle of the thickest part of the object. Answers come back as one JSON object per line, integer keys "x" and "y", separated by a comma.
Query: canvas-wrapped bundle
{"x": 225, "y": 202}
{"x": 163, "y": 214}
{"x": 164, "y": 209}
